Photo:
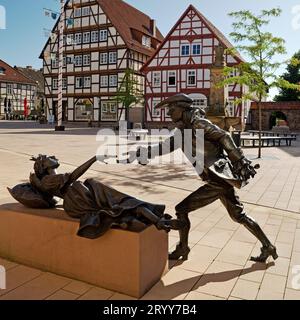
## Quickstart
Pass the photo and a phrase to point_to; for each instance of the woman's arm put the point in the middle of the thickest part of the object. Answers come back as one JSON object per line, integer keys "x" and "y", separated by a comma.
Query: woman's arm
{"x": 77, "y": 173}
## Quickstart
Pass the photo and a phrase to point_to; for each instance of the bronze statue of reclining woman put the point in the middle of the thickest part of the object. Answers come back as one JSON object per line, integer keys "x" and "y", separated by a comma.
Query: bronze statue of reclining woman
{"x": 98, "y": 206}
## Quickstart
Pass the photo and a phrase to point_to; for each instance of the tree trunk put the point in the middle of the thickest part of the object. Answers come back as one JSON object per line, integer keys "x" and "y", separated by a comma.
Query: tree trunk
{"x": 259, "y": 129}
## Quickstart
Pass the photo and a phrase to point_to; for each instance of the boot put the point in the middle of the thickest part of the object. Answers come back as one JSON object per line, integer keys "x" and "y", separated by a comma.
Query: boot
{"x": 267, "y": 249}
{"x": 182, "y": 249}
{"x": 266, "y": 252}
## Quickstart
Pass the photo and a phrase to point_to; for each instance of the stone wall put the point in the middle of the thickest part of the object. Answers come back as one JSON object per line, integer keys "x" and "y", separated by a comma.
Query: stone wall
{"x": 290, "y": 110}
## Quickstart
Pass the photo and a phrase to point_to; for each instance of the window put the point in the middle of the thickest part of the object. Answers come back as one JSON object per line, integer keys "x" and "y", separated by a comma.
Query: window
{"x": 85, "y": 11}
{"x": 113, "y": 80}
{"x": 83, "y": 109}
{"x": 77, "y": 12}
{"x": 104, "y": 81}
{"x": 200, "y": 102}
{"x": 108, "y": 111}
{"x": 103, "y": 58}
{"x": 79, "y": 82}
{"x": 113, "y": 57}
{"x": 155, "y": 112}
{"x": 94, "y": 36}
{"x": 86, "y": 59}
{"x": 2, "y": 71}
{"x": 185, "y": 50}
{"x": 156, "y": 79}
{"x": 196, "y": 49}
{"x": 69, "y": 39}
{"x": 9, "y": 88}
{"x": 172, "y": 78}
{"x": 191, "y": 77}
{"x": 113, "y": 108}
{"x": 86, "y": 37}
{"x": 77, "y": 38}
{"x": 146, "y": 41}
{"x": 103, "y": 35}
{"x": 54, "y": 84}
{"x": 55, "y": 62}
{"x": 64, "y": 83}
{"x": 78, "y": 61}
{"x": 87, "y": 82}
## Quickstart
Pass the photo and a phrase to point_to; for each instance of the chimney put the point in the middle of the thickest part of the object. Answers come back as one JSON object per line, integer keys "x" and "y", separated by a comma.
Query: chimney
{"x": 153, "y": 27}
{"x": 29, "y": 67}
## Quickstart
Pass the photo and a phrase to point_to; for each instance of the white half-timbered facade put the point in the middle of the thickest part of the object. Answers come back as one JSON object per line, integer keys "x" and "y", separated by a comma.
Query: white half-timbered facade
{"x": 102, "y": 39}
{"x": 182, "y": 64}
{"x": 16, "y": 92}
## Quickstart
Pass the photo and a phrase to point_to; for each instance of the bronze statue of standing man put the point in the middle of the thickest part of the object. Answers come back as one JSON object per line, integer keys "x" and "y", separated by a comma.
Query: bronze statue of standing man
{"x": 225, "y": 167}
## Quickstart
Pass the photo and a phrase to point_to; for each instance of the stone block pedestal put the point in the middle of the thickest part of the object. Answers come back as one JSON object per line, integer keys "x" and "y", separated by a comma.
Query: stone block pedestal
{"x": 122, "y": 261}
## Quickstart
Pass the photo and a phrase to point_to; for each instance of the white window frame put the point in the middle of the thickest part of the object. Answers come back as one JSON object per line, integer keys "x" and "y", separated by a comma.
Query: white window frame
{"x": 77, "y": 13}
{"x": 172, "y": 74}
{"x": 64, "y": 83}
{"x": 112, "y": 57}
{"x": 146, "y": 41}
{"x": 77, "y": 38}
{"x": 94, "y": 36}
{"x": 103, "y": 58}
{"x": 55, "y": 63}
{"x": 104, "y": 81}
{"x": 107, "y": 107}
{"x": 78, "y": 61}
{"x": 113, "y": 107}
{"x": 113, "y": 80}
{"x": 9, "y": 89}
{"x": 196, "y": 45}
{"x": 185, "y": 46}
{"x": 54, "y": 83}
{"x": 85, "y": 11}
{"x": 87, "y": 82}
{"x": 156, "y": 82}
{"x": 103, "y": 35}
{"x": 86, "y": 60}
{"x": 155, "y": 112}
{"x": 69, "y": 39}
{"x": 86, "y": 37}
{"x": 188, "y": 77}
{"x": 79, "y": 82}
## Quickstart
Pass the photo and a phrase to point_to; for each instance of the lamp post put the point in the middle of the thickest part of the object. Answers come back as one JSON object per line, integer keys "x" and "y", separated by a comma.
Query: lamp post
{"x": 60, "y": 126}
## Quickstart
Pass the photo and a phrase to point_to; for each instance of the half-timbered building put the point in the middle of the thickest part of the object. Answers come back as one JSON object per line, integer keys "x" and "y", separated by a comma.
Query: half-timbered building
{"x": 18, "y": 93}
{"x": 183, "y": 63}
{"x": 102, "y": 39}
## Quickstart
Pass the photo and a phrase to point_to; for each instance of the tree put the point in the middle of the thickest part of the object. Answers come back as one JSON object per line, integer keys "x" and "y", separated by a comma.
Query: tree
{"x": 129, "y": 92}
{"x": 293, "y": 76}
{"x": 260, "y": 48}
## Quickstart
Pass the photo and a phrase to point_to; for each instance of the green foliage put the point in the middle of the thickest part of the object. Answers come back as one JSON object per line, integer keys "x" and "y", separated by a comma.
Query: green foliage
{"x": 129, "y": 92}
{"x": 260, "y": 48}
{"x": 292, "y": 75}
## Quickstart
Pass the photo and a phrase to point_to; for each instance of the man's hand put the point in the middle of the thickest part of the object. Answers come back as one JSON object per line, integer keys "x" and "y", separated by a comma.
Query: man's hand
{"x": 244, "y": 170}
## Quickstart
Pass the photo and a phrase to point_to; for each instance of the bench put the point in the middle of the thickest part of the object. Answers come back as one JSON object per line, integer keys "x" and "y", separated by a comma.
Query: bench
{"x": 122, "y": 261}
{"x": 274, "y": 133}
{"x": 267, "y": 140}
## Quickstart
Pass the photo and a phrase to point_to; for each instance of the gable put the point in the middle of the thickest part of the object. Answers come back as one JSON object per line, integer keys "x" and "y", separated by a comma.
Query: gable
{"x": 191, "y": 28}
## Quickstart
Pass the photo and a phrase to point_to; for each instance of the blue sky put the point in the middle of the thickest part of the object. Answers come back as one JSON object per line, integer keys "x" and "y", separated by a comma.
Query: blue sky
{"x": 23, "y": 39}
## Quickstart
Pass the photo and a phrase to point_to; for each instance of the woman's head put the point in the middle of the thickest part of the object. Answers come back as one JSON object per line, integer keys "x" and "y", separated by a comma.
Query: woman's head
{"x": 43, "y": 165}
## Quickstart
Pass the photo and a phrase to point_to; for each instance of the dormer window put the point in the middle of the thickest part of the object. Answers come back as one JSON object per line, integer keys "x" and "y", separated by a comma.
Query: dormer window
{"x": 2, "y": 70}
{"x": 146, "y": 41}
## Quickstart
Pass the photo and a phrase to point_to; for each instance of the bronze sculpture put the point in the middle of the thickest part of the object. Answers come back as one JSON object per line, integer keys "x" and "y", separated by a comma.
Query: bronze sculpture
{"x": 222, "y": 173}
{"x": 98, "y": 206}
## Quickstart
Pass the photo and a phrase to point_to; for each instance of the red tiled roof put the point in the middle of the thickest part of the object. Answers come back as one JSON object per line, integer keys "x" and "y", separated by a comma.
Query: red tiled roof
{"x": 127, "y": 18}
{"x": 13, "y": 75}
{"x": 282, "y": 105}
